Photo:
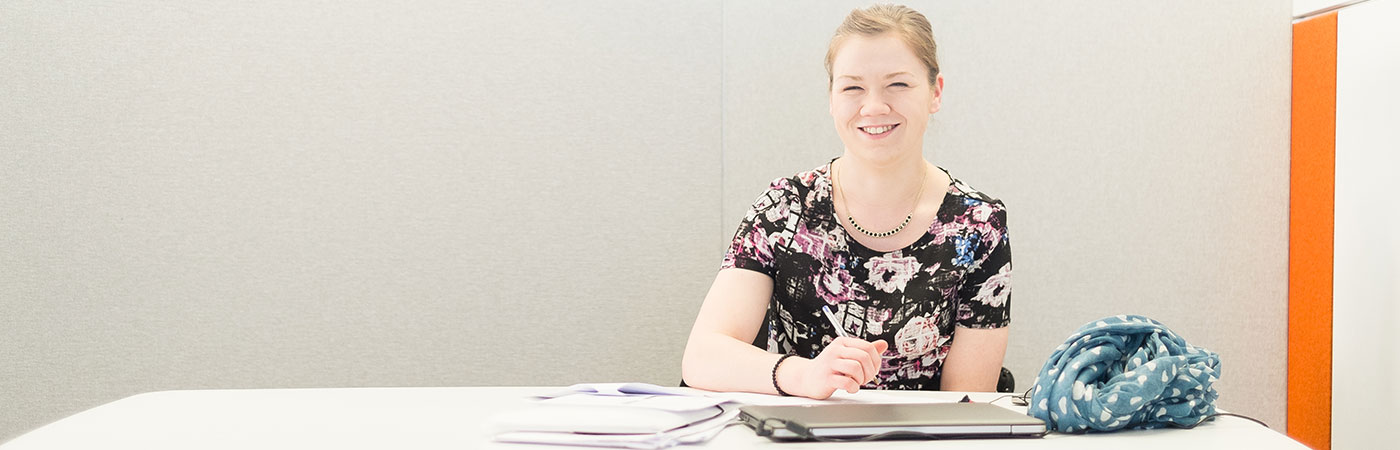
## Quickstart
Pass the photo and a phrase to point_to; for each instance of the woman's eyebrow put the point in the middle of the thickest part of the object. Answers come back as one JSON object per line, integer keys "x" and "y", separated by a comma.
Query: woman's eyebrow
{"x": 857, "y": 78}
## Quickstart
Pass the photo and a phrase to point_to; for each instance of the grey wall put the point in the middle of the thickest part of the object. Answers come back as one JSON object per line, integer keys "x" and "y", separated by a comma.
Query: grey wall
{"x": 263, "y": 194}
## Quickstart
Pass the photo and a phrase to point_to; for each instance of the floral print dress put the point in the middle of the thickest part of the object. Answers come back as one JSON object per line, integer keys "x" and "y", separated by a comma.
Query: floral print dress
{"x": 957, "y": 274}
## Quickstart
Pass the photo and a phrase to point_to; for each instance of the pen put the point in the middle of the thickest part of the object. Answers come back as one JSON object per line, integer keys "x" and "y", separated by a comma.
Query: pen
{"x": 832, "y": 318}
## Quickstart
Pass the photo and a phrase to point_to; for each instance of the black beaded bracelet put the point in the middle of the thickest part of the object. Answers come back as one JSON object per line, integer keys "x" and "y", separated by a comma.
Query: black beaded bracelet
{"x": 775, "y": 374}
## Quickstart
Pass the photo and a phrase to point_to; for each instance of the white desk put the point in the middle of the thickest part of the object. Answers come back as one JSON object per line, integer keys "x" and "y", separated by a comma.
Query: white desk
{"x": 454, "y": 418}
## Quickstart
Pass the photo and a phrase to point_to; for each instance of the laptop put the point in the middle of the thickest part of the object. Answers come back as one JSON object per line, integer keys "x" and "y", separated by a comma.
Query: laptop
{"x": 905, "y": 420}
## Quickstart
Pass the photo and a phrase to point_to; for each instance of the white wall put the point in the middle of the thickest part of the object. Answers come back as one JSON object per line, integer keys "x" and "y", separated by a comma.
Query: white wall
{"x": 1366, "y": 273}
{"x": 271, "y": 194}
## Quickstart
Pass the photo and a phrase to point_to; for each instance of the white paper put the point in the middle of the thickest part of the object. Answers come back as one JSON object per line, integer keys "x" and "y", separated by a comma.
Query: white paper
{"x": 696, "y": 433}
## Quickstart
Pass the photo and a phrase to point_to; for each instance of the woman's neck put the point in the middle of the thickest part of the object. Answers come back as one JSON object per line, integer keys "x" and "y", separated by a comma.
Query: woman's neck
{"x": 883, "y": 183}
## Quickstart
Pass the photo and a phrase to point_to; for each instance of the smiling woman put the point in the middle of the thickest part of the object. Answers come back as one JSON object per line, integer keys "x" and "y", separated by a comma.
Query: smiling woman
{"x": 919, "y": 284}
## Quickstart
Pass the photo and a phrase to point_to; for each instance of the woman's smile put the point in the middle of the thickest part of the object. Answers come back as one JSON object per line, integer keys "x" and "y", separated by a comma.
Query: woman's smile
{"x": 878, "y": 131}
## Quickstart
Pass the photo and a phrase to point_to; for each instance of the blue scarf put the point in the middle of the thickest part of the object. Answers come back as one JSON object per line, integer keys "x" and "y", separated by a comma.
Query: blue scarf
{"x": 1125, "y": 371}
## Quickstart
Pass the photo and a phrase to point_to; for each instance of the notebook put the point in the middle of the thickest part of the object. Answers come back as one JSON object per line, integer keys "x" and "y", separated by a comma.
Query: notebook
{"x": 857, "y": 420}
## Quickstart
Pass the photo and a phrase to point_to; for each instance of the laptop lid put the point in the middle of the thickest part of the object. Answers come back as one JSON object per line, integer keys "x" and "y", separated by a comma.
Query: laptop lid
{"x": 858, "y": 420}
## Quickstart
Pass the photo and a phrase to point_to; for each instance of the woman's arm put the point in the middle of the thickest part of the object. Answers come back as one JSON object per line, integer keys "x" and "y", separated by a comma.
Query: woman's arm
{"x": 974, "y": 361}
{"x": 719, "y": 356}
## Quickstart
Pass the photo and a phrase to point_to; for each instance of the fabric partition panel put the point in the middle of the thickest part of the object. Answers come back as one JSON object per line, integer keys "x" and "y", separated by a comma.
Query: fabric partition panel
{"x": 1310, "y": 230}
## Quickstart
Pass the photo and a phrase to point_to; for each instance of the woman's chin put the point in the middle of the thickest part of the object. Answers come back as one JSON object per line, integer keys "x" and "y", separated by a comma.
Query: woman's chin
{"x": 880, "y": 151}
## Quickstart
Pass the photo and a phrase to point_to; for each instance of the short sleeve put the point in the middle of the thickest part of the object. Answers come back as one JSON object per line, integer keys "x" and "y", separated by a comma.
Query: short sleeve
{"x": 756, "y": 241}
{"x": 985, "y": 298}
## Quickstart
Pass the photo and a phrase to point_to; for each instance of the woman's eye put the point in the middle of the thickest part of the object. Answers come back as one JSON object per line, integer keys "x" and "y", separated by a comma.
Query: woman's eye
{"x": 851, "y": 88}
{"x": 900, "y": 84}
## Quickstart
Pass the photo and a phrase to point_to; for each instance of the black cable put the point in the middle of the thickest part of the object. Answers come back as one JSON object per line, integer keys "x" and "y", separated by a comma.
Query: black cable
{"x": 1024, "y": 398}
{"x": 1212, "y": 417}
{"x": 763, "y": 429}
{"x": 1190, "y": 426}
{"x": 1004, "y": 396}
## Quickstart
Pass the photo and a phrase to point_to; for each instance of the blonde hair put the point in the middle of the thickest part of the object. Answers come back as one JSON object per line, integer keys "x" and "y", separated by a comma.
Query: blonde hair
{"x": 909, "y": 25}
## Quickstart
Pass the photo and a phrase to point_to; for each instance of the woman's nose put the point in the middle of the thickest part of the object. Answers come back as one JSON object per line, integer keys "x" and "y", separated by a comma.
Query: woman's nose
{"x": 874, "y": 105}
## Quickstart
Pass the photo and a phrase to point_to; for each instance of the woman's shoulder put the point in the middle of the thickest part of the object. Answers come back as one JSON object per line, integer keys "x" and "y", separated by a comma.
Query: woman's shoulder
{"x": 973, "y": 195}
{"x": 799, "y": 186}
{"x": 796, "y": 194}
{"x": 803, "y": 181}
{"x": 975, "y": 206}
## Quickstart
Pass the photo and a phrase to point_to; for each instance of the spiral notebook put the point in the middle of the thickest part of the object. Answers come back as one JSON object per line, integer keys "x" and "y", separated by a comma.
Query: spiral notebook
{"x": 859, "y": 420}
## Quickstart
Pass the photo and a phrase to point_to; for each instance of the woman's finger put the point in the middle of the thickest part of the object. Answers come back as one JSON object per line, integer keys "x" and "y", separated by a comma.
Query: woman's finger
{"x": 862, "y": 345}
{"x": 868, "y": 366}
{"x": 850, "y": 369}
{"x": 869, "y": 347}
{"x": 854, "y": 343}
{"x": 877, "y": 352}
{"x": 844, "y": 383}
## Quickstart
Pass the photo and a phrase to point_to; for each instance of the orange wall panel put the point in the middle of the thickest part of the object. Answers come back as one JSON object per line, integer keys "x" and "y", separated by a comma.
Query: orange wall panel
{"x": 1310, "y": 230}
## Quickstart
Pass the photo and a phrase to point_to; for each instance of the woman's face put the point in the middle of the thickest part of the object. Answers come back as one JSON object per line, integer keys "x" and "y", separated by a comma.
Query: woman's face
{"x": 880, "y": 97}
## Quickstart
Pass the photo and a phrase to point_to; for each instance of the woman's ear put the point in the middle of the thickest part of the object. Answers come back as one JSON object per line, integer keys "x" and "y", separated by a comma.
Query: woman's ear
{"x": 936, "y": 99}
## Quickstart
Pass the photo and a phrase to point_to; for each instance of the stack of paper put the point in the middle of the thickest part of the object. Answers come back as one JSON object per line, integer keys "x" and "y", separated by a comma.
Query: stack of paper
{"x": 628, "y": 415}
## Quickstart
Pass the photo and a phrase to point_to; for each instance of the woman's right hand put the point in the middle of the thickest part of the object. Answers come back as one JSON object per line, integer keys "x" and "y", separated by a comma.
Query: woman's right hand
{"x": 845, "y": 364}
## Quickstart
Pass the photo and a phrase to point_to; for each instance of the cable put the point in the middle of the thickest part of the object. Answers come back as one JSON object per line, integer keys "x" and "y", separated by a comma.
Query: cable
{"x": 1022, "y": 399}
{"x": 1183, "y": 427}
{"x": 1212, "y": 417}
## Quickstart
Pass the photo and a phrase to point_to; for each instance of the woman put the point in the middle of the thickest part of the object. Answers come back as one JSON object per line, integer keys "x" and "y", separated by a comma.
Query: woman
{"x": 914, "y": 265}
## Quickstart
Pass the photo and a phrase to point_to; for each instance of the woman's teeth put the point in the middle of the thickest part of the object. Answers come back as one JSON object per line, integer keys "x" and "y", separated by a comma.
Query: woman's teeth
{"x": 877, "y": 130}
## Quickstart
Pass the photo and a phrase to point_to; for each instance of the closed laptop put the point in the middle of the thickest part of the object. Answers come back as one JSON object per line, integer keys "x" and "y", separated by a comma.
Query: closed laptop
{"x": 862, "y": 420}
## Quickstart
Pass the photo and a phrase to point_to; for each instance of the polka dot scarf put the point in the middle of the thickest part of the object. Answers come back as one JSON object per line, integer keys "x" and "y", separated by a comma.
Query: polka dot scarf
{"x": 1125, "y": 372}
